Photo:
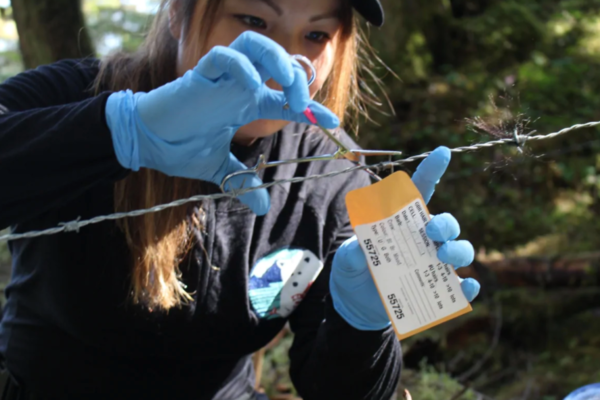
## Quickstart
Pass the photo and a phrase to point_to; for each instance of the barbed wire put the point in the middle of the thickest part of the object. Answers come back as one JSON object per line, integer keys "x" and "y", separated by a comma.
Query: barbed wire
{"x": 74, "y": 226}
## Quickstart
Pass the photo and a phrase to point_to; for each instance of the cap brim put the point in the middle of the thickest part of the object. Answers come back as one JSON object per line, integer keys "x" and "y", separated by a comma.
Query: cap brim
{"x": 370, "y": 10}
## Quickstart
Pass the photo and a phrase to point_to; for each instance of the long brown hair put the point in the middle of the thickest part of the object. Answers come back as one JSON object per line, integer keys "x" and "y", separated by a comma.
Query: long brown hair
{"x": 158, "y": 241}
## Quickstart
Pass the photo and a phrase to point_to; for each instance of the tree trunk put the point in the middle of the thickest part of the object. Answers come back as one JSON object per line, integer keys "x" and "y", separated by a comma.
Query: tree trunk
{"x": 577, "y": 270}
{"x": 51, "y": 30}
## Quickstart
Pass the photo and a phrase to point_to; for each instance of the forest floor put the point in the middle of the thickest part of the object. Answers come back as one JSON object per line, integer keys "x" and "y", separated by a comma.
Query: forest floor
{"x": 492, "y": 354}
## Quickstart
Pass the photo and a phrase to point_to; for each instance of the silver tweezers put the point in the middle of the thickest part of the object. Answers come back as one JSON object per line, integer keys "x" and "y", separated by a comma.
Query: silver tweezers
{"x": 341, "y": 153}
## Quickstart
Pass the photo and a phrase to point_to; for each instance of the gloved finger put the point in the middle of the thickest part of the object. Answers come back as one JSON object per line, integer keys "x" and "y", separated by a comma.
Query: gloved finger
{"x": 430, "y": 171}
{"x": 267, "y": 54}
{"x": 350, "y": 259}
{"x": 257, "y": 200}
{"x": 271, "y": 107}
{"x": 222, "y": 61}
{"x": 459, "y": 253}
{"x": 470, "y": 288}
{"x": 443, "y": 227}
{"x": 297, "y": 94}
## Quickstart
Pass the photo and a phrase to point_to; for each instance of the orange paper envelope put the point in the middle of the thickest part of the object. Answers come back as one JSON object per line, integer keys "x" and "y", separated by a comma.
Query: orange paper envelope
{"x": 417, "y": 289}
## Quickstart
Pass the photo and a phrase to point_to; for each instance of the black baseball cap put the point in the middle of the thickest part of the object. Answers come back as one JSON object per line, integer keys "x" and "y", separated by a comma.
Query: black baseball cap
{"x": 371, "y": 10}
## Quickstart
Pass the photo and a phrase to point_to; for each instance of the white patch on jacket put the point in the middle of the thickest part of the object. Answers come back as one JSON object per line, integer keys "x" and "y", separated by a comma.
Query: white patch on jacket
{"x": 279, "y": 281}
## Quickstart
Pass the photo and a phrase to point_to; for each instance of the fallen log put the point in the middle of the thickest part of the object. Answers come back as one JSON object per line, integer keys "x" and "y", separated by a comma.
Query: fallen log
{"x": 543, "y": 272}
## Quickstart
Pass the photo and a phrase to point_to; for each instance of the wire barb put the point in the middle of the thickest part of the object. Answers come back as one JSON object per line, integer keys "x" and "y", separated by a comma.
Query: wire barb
{"x": 70, "y": 226}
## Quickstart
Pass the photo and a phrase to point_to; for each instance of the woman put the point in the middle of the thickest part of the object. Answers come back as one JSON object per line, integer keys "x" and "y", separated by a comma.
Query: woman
{"x": 172, "y": 304}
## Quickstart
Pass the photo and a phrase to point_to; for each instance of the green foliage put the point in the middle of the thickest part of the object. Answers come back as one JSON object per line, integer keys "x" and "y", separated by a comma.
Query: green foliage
{"x": 10, "y": 64}
{"x": 116, "y": 27}
{"x": 111, "y": 27}
{"x": 536, "y": 59}
{"x": 547, "y": 344}
{"x": 564, "y": 354}
{"x": 427, "y": 383}
{"x": 275, "y": 372}
{"x": 430, "y": 384}
{"x": 4, "y": 254}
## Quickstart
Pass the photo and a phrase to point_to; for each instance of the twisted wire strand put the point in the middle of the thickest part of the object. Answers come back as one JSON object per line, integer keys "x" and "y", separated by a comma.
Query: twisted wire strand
{"x": 519, "y": 140}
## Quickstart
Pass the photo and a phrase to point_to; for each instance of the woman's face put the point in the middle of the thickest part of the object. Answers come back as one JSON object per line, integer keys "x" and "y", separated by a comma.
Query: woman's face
{"x": 307, "y": 27}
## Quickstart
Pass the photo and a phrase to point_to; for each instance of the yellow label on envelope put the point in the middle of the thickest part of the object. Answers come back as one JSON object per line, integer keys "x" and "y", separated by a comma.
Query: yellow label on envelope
{"x": 417, "y": 289}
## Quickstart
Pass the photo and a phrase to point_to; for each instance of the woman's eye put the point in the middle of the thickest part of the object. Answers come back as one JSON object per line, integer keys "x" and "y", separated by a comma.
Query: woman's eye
{"x": 254, "y": 22}
{"x": 318, "y": 37}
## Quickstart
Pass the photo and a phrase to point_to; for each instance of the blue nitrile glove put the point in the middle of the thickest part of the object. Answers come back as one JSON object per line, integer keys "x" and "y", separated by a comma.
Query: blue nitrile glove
{"x": 184, "y": 128}
{"x": 587, "y": 392}
{"x": 353, "y": 291}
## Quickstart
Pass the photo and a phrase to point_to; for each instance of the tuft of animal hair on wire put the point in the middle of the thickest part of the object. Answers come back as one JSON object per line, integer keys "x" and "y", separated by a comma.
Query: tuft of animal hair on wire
{"x": 502, "y": 123}
{"x": 74, "y": 226}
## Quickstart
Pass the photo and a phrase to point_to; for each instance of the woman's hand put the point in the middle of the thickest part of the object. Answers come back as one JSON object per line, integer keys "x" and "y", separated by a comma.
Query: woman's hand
{"x": 353, "y": 291}
{"x": 185, "y": 127}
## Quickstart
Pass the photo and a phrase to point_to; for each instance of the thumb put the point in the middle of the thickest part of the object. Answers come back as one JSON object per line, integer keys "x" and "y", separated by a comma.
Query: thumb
{"x": 430, "y": 171}
{"x": 350, "y": 260}
{"x": 258, "y": 200}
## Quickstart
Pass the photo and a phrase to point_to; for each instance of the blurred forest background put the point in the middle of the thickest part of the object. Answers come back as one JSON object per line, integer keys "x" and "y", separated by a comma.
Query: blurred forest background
{"x": 532, "y": 216}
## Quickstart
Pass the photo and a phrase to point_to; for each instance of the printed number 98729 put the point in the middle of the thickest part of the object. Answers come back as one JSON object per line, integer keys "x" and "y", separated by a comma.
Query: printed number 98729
{"x": 372, "y": 252}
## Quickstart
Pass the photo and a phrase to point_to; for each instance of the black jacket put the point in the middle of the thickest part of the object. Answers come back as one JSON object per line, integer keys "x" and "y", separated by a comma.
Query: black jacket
{"x": 69, "y": 331}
